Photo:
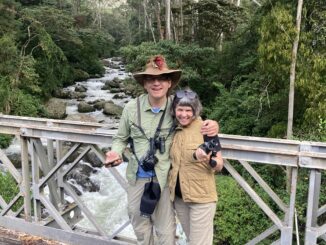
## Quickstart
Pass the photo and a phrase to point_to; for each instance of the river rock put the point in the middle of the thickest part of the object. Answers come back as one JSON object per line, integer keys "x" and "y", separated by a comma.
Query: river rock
{"x": 117, "y": 80}
{"x": 106, "y": 62}
{"x": 99, "y": 105}
{"x": 56, "y": 108}
{"x": 113, "y": 83}
{"x": 84, "y": 107}
{"x": 81, "y": 118}
{"x": 118, "y": 59}
{"x": 15, "y": 159}
{"x": 78, "y": 95}
{"x": 80, "y": 88}
{"x": 115, "y": 90}
{"x": 115, "y": 66}
{"x": 112, "y": 109}
{"x": 82, "y": 180}
{"x": 119, "y": 96}
{"x": 62, "y": 94}
{"x": 93, "y": 159}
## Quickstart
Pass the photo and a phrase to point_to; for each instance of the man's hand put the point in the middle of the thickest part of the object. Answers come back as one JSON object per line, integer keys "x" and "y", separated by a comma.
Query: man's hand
{"x": 112, "y": 159}
{"x": 209, "y": 128}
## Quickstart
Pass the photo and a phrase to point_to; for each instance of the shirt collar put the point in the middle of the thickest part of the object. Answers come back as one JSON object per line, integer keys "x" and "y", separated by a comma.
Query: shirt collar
{"x": 148, "y": 107}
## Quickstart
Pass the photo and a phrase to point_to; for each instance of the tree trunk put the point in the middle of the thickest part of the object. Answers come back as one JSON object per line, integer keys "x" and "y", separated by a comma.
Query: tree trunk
{"x": 139, "y": 18}
{"x": 158, "y": 19}
{"x": 98, "y": 16}
{"x": 168, "y": 35}
{"x": 292, "y": 83}
{"x": 193, "y": 23}
{"x": 145, "y": 13}
{"x": 174, "y": 28}
{"x": 220, "y": 46}
{"x": 181, "y": 21}
{"x": 149, "y": 23}
{"x": 76, "y": 7}
{"x": 59, "y": 4}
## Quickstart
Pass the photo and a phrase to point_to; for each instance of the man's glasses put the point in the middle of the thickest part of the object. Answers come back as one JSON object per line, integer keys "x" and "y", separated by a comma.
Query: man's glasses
{"x": 185, "y": 93}
{"x": 160, "y": 78}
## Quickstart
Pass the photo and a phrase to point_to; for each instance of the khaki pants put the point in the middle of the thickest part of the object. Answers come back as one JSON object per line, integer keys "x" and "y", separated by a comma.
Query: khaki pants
{"x": 162, "y": 221}
{"x": 196, "y": 220}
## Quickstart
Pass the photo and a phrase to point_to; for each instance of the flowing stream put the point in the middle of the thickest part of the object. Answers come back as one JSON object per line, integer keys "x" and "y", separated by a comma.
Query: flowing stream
{"x": 109, "y": 205}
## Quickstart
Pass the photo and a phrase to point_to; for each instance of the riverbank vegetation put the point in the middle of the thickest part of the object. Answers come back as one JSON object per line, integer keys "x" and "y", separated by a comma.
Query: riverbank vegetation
{"x": 236, "y": 54}
{"x": 236, "y": 57}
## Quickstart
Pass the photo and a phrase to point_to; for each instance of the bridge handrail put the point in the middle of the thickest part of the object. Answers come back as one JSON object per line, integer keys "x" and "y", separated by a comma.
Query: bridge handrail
{"x": 290, "y": 153}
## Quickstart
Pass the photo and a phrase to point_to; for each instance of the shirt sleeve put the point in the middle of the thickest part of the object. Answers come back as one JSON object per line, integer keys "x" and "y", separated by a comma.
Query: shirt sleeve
{"x": 120, "y": 140}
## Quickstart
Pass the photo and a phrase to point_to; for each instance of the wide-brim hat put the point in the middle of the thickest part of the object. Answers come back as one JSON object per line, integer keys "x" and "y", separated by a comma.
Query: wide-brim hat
{"x": 155, "y": 66}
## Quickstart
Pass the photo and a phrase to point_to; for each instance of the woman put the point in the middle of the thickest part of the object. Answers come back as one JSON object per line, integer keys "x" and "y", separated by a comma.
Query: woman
{"x": 192, "y": 178}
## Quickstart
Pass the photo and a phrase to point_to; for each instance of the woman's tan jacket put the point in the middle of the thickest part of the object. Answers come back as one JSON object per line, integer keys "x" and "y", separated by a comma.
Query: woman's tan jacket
{"x": 197, "y": 179}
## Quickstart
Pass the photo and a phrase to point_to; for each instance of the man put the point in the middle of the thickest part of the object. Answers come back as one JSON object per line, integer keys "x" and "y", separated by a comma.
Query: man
{"x": 148, "y": 123}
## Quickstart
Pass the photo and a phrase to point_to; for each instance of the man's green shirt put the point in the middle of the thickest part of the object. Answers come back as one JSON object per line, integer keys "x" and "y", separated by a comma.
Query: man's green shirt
{"x": 149, "y": 123}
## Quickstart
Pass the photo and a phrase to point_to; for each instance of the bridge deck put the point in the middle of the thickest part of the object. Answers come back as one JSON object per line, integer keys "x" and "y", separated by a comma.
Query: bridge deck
{"x": 11, "y": 237}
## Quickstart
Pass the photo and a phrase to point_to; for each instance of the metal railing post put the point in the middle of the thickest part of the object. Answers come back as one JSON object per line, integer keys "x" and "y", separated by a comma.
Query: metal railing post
{"x": 25, "y": 188}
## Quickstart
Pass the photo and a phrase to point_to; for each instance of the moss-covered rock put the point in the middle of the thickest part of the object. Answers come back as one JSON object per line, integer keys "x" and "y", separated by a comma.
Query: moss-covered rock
{"x": 56, "y": 108}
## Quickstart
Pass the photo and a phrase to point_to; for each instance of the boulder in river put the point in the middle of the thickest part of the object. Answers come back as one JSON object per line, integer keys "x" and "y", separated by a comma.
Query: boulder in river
{"x": 78, "y": 95}
{"x": 99, "y": 105}
{"x": 80, "y": 176}
{"x": 84, "y": 107}
{"x": 112, "y": 109}
{"x": 56, "y": 108}
{"x": 62, "y": 94}
{"x": 80, "y": 88}
{"x": 81, "y": 118}
{"x": 119, "y": 96}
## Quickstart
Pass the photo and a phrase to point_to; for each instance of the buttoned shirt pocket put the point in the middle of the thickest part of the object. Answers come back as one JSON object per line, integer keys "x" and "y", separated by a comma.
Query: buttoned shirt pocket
{"x": 135, "y": 132}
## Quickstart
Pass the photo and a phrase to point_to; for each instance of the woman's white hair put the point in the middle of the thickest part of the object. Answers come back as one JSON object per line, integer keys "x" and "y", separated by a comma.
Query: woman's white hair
{"x": 186, "y": 101}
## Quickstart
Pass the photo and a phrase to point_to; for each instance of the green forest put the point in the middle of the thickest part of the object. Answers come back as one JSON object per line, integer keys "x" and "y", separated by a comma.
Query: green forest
{"x": 236, "y": 54}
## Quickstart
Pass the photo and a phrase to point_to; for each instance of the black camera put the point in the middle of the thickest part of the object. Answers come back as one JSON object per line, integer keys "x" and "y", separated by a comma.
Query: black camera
{"x": 149, "y": 161}
{"x": 211, "y": 144}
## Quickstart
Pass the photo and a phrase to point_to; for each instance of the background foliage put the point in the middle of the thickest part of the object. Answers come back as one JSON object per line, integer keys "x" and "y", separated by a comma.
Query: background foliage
{"x": 237, "y": 58}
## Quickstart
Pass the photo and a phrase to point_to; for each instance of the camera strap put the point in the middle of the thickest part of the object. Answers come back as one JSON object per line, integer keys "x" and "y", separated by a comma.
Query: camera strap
{"x": 157, "y": 132}
{"x": 158, "y": 129}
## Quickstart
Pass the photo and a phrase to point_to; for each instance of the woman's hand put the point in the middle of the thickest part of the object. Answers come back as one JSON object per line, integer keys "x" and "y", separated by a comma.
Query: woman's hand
{"x": 219, "y": 164}
{"x": 201, "y": 155}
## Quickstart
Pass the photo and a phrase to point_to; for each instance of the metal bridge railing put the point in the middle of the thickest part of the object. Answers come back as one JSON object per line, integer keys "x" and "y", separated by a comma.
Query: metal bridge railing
{"x": 45, "y": 164}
